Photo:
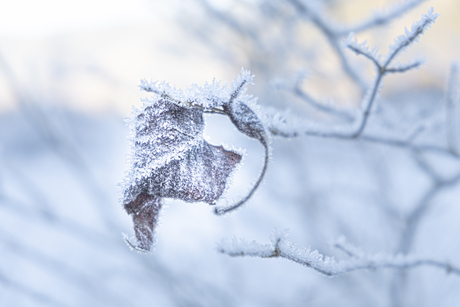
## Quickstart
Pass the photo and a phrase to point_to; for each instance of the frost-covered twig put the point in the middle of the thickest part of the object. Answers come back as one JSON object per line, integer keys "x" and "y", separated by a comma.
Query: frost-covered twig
{"x": 410, "y": 36}
{"x": 401, "y": 42}
{"x": 281, "y": 248}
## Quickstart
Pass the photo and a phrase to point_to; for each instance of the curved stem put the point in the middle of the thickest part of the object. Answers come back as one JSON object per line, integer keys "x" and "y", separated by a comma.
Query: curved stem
{"x": 225, "y": 209}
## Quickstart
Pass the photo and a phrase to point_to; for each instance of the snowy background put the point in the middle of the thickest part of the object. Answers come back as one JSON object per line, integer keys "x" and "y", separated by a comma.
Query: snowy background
{"x": 68, "y": 77}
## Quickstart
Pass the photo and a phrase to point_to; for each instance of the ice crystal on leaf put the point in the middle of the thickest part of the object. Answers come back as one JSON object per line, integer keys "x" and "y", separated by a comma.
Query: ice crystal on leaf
{"x": 209, "y": 96}
{"x": 170, "y": 157}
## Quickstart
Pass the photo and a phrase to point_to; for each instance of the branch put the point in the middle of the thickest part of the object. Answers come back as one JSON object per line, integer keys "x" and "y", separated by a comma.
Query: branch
{"x": 426, "y": 167}
{"x": 452, "y": 100}
{"x": 332, "y": 35}
{"x": 281, "y": 248}
{"x": 25, "y": 290}
{"x": 380, "y": 18}
{"x": 362, "y": 49}
{"x": 404, "y": 68}
{"x": 414, "y": 218}
{"x": 335, "y": 32}
{"x": 294, "y": 87}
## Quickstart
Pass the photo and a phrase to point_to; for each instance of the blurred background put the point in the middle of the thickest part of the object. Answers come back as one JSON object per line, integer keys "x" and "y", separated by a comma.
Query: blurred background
{"x": 69, "y": 72}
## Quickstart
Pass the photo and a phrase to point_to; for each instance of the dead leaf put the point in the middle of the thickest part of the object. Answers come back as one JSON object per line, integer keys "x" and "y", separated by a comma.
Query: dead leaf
{"x": 171, "y": 159}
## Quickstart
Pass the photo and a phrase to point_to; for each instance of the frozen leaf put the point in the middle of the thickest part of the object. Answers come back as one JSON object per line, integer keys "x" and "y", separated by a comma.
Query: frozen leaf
{"x": 145, "y": 210}
{"x": 170, "y": 158}
{"x": 246, "y": 120}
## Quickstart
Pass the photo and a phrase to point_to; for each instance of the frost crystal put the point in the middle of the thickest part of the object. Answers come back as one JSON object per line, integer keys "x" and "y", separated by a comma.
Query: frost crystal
{"x": 208, "y": 96}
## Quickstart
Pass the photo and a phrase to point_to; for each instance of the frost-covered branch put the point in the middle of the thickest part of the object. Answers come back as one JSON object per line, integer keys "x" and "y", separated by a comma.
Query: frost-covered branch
{"x": 410, "y": 36}
{"x": 382, "y": 67}
{"x": 281, "y": 248}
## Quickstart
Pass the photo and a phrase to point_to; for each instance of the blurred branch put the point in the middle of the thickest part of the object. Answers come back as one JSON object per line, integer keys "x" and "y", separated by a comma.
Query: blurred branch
{"x": 61, "y": 145}
{"x": 335, "y": 33}
{"x": 74, "y": 276}
{"x": 413, "y": 220}
{"x": 333, "y": 37}
{"x": 29, "y": 292}
{"x": 295, "y": 87}
{"x": 381, "y": 18}
{"x": 452, "y": 110}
